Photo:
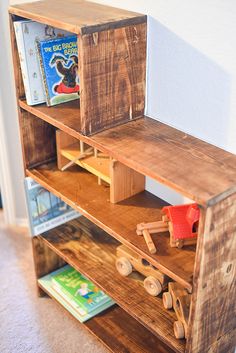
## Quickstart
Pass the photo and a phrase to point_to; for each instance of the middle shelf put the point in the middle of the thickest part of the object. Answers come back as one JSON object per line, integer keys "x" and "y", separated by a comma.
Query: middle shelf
{"x": 92, "y": 252}
{"x": 79, "y": 189}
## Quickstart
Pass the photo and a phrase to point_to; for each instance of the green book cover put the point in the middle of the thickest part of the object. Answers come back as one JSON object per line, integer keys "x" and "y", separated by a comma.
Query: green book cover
{"x": 79, "y": 289}
{"x": 46, "y": 283}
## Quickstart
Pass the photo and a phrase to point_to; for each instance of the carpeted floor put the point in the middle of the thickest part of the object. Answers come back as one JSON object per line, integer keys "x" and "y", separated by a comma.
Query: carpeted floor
{"x": 28, "y": 323}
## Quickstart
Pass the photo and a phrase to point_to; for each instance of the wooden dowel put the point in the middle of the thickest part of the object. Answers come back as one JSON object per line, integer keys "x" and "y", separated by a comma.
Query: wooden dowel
{"x": 152, "y": 225}
{"x": 153, "y": 231}
{"x": 149, "y": 242}
{"x": 87, "y": 153}
{"x": 81, "y": 144}
{"x": 95, "y": 153}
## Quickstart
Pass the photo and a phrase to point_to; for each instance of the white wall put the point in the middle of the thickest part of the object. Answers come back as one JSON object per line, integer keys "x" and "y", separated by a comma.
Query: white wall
{"x": 191, "y": 81}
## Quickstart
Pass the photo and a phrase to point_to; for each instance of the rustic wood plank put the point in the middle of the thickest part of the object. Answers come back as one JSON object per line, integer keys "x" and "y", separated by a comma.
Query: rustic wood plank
{"x": 45, "y": 260}
{"x": 93, "y": 252}
{"x": 38, "y": 138}
{"x": 213, "y": 315}
{"x": 190, "y": 166}
{"x": 79, "y": 189}
{"x": 112, "y": 77}
{"x": 77, "y": 16}
{"x": 125, "y": 182}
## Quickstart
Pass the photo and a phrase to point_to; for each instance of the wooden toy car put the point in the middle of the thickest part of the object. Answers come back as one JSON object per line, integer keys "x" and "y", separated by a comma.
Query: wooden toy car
{"x": 181, "y": 222}
{"x": 179, "y": 299}
{"x": 129, "y": 261}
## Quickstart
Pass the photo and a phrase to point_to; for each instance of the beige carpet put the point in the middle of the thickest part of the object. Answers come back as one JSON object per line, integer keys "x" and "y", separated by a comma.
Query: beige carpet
{"x": 28, "y": 323}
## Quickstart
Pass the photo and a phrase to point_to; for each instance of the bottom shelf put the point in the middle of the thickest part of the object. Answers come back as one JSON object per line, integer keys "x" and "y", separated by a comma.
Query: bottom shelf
{"x": 119, "y": 332}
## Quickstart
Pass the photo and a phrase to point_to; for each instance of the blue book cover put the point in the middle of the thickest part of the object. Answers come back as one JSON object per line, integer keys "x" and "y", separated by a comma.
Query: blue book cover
{"x": 59, "y": 67}
{"x": 45, "y": 210}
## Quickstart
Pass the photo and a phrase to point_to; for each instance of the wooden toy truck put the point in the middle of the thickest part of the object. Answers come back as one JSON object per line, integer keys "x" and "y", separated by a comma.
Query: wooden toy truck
{"x": 129, "y": 261}
{"x": 179, "y": 299}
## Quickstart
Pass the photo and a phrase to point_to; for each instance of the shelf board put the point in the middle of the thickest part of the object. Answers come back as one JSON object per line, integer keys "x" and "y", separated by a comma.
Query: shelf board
{"x": 80, "y": 189}
{"x": 194, "y": 168}
{"x": 77, "y": 16}
{"x": 91, "y": 251}
{"x": 99, "y": 166}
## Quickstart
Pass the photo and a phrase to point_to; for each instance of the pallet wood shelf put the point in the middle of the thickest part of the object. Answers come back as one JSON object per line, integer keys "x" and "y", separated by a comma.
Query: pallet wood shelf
{"x": 133, "y": 144}
{"x": 80, "y": 190}
{"x": 92, "y": 252}
{"x": 196, "y": 169}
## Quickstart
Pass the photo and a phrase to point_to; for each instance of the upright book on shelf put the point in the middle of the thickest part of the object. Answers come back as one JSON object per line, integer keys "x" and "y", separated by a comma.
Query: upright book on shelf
{"x": 45, "y": 210}
{"x": 27, "y": 32}
{"x": 59, "y": 67}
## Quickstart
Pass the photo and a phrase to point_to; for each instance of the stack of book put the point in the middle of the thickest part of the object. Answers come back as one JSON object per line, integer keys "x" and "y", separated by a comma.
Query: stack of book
{"x": 49, "y": 63}
{"x": 76, "y": 293}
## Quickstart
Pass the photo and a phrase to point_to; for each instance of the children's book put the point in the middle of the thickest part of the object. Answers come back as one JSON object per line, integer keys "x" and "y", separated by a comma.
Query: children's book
{"x": 78, "y": 289}
{"x": 59, "y": 67}
{"x": 45, "y": 210}
{"x": 27, "y": 32}
{"x": 78, "y": 312}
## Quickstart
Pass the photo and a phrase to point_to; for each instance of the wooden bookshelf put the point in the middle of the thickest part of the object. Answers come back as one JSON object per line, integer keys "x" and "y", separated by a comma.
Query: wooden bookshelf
{"x": 93, "y": 252}
{"x": 198, "y": 170}
{"x": 80, "y": 190}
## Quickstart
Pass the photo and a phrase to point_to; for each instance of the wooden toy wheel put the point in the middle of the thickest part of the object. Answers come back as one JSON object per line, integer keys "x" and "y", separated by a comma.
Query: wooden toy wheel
{"x": 167, "y": 300}
{"x": 152, "y": 286}
{"x": 123, "y": 266}
{"x": 179, "y": 330}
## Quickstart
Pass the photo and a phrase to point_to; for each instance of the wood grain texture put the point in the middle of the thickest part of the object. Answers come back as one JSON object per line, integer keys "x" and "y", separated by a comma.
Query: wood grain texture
{"x": 190, "y": 166}
{"x": 45, "y": 260}
{"x": 77, "y": 16}
{"x": 125, "y": 182}
{"x": 79, "y": 189}
{"x": 93, "y": 252}
{"x": 213, "y": 315}
{"x": 63, "y": 140}
{"x": 39, "y": 140}
{"x": 112, "y": 77}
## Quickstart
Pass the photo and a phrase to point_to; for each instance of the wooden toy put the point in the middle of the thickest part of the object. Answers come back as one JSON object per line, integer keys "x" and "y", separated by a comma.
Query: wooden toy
{"x": 129, "y": 261}
{"x": 181, "y": 222}
{"x": 179, "y": 299}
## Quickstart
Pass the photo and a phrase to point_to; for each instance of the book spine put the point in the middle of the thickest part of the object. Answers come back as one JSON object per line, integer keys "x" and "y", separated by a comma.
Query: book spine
{"x": 29, "y": 211}
{"x": 41, "y": 66}
{"x": 23, "y": 64}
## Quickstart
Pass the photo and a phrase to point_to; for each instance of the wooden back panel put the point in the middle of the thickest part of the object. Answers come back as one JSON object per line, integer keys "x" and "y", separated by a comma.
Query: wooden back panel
{"x": 112, "y": 77}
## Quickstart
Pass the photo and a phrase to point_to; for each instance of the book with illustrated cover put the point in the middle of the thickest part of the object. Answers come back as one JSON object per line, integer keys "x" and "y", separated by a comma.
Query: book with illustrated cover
{"x": 78, "y": 289}
{"x": 59, "y": 68}
{"x": 45, "y": 210}
{"x": 27, "y": 32}
{"x": 78, "y": 312}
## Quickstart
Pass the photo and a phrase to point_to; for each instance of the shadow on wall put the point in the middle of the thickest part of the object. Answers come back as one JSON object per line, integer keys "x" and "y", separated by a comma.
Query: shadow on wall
{"x": 186, "y": 89}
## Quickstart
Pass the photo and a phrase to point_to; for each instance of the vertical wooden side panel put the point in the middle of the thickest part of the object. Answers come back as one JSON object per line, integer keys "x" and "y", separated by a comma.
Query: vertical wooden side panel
{"x": 112, "y": 77}
{"x": 125, "y": 182}
{"x": 38, "y": 138}
{"x": 213, "y": 313}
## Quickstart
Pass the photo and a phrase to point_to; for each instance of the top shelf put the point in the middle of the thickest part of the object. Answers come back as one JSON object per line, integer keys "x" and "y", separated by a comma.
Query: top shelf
{"x": 196, "y": 169}
{"x": 79, "y": 16}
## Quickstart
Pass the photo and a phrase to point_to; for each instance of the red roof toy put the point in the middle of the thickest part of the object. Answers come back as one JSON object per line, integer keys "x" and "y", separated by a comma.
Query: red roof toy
{"x": 181, "y": 221}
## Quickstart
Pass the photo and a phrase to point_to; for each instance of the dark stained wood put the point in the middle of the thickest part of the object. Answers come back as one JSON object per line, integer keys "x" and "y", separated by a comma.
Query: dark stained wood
{"x": 192, "y": 167}
{"x": 213, "y": 315}
{"x": 77, "y": 16}
{"x": 39, "y": 140}
{"x": 92, "y": 252}
{"x": 45, "y": 260}
{"x": 112, "y": 77}
{"x": 79, "y": 189}
{"x": 120, "y": 333}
